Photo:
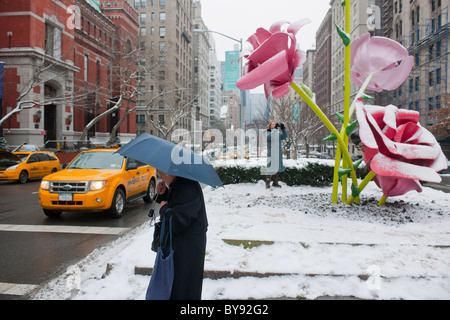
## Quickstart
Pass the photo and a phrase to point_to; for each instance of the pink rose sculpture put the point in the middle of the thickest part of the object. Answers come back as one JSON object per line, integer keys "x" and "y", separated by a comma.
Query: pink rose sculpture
{"x": 385, "y": 59}
{"x": 272, "y": 59}
{"x": 398, "y": 149}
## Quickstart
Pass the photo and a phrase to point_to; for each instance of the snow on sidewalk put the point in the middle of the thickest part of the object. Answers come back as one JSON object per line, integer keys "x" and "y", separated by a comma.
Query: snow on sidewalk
{"x": 399, "y": 251}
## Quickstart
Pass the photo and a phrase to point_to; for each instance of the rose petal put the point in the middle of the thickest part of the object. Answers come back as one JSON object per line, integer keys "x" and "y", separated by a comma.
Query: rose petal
{"x": 365, "y": 132}
{"x": 407, "y": 151}
{"x": 390, "y": 50}
{"x": 280, "y": 90}
{"x": 360, "y": 52}
{"x": 389, "y": 167}
{"x": 297, "y": 25}
{"x": 259, "y": 37}
{"x": 408, "y": 133}
{"x": 393, "y": 187}
{"x": 390, "y": 119}
{"x": 405, "y": 116}
{"x": 276, "y": 26}
{"x": 440, "y": 163}
{"x": 270, "y": 69}
{"x": 271, "y": 47}
{"x": 379, "y": 56}
{"x": 394, "y": 78}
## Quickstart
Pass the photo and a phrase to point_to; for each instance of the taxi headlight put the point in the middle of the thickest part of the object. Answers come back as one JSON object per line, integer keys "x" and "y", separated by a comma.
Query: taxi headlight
{"x": 45, "y": 185}
{"x": 12, "y": 167}
{"x": 97, "y": 185}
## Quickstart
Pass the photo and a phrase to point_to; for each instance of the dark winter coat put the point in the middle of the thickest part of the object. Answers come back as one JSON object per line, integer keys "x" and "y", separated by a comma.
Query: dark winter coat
{"x": 189, "y": 225}
{"x": 275, "y": 161}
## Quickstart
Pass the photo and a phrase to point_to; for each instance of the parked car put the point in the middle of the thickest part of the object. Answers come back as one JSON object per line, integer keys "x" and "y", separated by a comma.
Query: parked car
{"x": 325, "y": 155}
{"x": 98, "y": 179}
{"x": 22, "y": 166}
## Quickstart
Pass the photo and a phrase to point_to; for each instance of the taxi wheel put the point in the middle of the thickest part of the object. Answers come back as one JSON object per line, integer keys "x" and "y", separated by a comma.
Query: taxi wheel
{"x": 151, "y": 192}
{"x": 23, "y": 177}
{"x": 118, "y": 204}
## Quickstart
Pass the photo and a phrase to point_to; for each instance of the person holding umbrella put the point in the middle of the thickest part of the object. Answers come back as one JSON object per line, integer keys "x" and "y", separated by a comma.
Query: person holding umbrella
{"x": 183, "y": 199}
{"x": 182, "y": 206}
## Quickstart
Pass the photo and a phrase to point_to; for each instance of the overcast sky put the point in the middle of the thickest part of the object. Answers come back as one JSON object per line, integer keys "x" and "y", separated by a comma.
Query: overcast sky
{"x": 241, "y": 18}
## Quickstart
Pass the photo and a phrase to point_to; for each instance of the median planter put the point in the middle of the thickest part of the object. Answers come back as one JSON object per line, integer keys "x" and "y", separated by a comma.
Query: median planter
{"x": 312, "y": 174}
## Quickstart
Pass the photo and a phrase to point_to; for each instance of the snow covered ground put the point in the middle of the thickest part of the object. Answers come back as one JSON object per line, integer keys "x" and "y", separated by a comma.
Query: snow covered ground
{"x": 399, "y": 251}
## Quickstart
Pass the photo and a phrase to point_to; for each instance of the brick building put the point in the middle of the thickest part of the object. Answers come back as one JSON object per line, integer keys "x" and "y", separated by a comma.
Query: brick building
{"x": 70, "y": 63}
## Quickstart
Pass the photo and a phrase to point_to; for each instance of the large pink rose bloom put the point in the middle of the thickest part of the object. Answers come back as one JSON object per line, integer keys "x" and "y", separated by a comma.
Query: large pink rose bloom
{"x": 398, "y": 149}
{"x": 385, "y": 59}
{"x": 272, "y": 59}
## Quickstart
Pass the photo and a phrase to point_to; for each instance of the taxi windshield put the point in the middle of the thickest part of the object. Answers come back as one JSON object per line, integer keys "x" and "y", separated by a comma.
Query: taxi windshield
{"x": 97, "y": 160}
{"x": 22, "y": 156}
{"x": 5, "y": 163}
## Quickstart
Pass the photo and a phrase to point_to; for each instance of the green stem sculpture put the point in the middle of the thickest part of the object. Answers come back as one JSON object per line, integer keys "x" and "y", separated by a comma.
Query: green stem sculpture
{"x": 342, "y": 136}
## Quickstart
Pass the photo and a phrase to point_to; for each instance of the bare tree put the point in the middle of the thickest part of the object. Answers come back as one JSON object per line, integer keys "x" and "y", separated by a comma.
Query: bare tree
{"x": 43, "y": 72}
{"x": 175, "y": 113}
{"x": 441, "y": 119}
{"x": 124, "y": 82}
{"x": 303, "y": 128}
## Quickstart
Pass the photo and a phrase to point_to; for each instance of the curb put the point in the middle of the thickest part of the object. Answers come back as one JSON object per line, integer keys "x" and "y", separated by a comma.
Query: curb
{"x": 217, "y": 274}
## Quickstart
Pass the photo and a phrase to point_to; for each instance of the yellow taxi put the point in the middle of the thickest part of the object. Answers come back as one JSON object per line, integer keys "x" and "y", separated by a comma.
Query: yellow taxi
{"x": 97, "y": 179}
{"x": 22, "y": 166}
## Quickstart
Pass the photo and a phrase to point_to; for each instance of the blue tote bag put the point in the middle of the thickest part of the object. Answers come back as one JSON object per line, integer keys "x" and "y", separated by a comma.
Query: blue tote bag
{"x": 160, "y": 286}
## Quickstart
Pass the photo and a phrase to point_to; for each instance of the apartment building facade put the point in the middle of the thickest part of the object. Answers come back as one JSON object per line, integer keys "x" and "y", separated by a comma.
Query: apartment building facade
{"x": 422, "y": 27}
{"x": 323, "y": 63}
{"x": 215, "y": 89}
{"x": 201, "y": 69}
{"x": 167, "y": 92}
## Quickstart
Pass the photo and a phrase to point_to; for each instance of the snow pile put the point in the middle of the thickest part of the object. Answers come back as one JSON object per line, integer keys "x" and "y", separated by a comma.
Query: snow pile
{"x": 398, "y": 251}
{"x": 262, "y": 162}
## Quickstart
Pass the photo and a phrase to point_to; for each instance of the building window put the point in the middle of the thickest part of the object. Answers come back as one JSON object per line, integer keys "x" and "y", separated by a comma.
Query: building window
{"x": 143, "y": 31}
{"x": 98, "y": 76}
{"x": 86, "y": 67}
{"x": 430, "y": 103}
{"x": 162, "y": 16}
{"x": 52, "y": 41}
{"x": 143, "y": 17}
{"x": 162, "y": 32}
{"x": 162, "y": 61}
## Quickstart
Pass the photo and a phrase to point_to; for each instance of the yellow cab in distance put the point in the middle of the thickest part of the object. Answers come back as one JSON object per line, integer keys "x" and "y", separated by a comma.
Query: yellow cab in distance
{"x": 98, "y": 179}
{"x": 25, "y": 165}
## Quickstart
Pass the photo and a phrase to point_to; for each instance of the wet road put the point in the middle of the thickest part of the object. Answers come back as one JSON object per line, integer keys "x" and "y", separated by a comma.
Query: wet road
{"x": 34, "y": 249}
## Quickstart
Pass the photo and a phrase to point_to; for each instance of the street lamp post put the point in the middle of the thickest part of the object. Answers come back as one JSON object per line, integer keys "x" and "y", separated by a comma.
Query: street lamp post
{"x": 243, "y": 104}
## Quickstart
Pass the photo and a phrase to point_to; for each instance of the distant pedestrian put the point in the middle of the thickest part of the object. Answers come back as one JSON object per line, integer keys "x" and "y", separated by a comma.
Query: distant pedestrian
{"x": 276, "y": 132}
{"x": 183, "y": 200}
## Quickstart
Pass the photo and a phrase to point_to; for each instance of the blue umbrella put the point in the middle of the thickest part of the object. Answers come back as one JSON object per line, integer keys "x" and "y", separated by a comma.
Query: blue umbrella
{"x": 171, "y": 159}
